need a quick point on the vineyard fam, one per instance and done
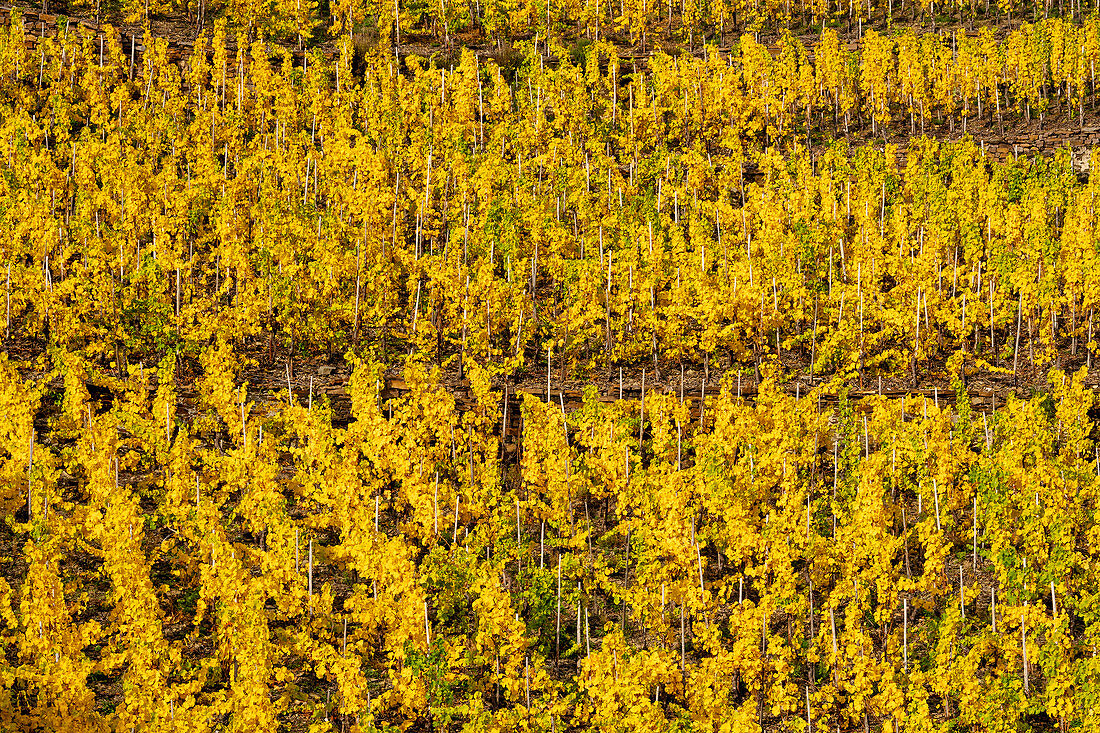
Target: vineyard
(549, 367)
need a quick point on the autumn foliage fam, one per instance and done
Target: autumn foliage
(187, 550)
